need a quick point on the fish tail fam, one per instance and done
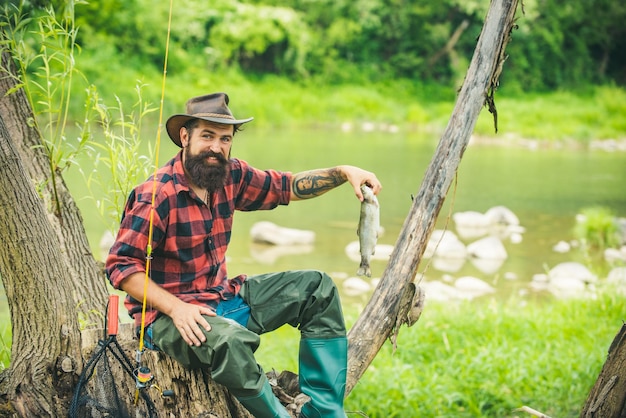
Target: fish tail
(364, 270)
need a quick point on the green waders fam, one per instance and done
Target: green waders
(306, 299)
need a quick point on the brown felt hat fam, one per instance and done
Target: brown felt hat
(211, 107)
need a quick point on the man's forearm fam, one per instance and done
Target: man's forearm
(156, 297)
(313, 183)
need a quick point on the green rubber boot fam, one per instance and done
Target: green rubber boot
(323, 366)
(265, 404)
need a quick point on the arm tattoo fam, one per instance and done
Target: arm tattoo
(313, 183)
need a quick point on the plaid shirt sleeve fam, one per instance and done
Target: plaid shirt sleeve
(128, 254)
(259, 189)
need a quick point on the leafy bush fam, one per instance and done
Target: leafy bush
(597, 228)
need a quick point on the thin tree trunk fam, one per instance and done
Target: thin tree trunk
(382, 315)
(449, 46)
(607, 399)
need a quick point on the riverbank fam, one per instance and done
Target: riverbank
(587, 114)
(515, 141)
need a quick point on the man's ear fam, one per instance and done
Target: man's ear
(184, 137)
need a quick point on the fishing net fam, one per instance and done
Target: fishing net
(96, 394)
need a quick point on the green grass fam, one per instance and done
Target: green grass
(597, 113)
(5, 341)
(482, 359)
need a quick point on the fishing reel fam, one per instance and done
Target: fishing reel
(144, 379)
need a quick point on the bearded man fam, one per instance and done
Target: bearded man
(197, 314)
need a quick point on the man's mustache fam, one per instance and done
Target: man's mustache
(210, 154)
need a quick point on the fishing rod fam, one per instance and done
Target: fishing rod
(143, 375)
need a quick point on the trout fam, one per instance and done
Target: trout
(369, 223)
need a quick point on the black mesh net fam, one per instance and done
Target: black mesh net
(98, 394)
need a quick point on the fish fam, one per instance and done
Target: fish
(369, 224)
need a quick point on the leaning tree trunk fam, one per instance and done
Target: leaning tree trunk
(607, 399)
(396, 300)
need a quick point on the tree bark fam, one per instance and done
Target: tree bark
(382, 315)
(46, 337)
(88, 281)
(195, 393)
(607, 399)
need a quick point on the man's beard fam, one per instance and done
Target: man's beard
(207, 176)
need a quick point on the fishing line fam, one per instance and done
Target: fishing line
(445, 228)
(154, 183)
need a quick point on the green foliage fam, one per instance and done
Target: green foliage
(597, 228)
(5, 343)
(117, 160)
(555, 45)
(44, 47)
(597, 113)
(261, 39)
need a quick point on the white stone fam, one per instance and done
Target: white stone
(487, 265)
(516, 238)
(355, 286)
(270, 233)
(448, 265)
(269, 254)
(439, 291)
(473, 286)
(540, 278)
(573, 271)
(613, 254)
(566, 287)
(471, 224)
(501, 215)
(561, 247)
(442, 239)
(617, 275)
(490, 248)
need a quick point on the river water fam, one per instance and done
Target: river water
(544, 185)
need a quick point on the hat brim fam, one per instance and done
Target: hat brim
(175, 122)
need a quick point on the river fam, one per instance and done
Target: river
(544, 185)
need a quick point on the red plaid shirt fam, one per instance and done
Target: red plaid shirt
(189, 238)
